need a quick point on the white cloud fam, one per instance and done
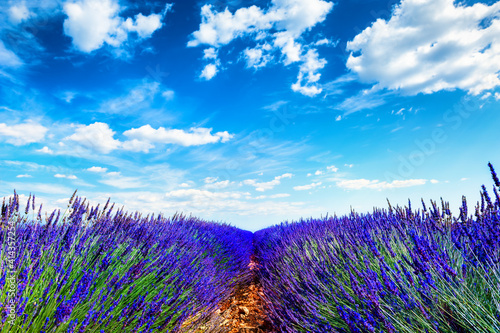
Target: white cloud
(23, 134)
(45, 150)
(201, 195)
(497, 96)
(24, 176)
(116, 179)
(307, 187)
(264, 186)
(278, 28)
(185, 185)
(68, 96)
(274, 196)
(58, 175)
(365, 99)
(168, 95)
(97, 169)
(332, 168)
(137, 145)
(464, 179)
(338, 118)
(220, 28)
(93, 23)
(97, 137)
(318, 172)
(193, 137)
(434, 181)
(208, 72)
(258, 56)
(325, 42)
(309, 73)
(349, 165)
(139, 96)
(210, 180)
(19, 13)
(358, 184)
(285, 175)
(431, 45)
(144, 26)
(210, 53)
(218, 185)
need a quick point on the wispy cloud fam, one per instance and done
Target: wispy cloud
(264, 186)
(24, 176)
(358, 184)
(116, 179)
(138, 97)
(58, 175)
(307, 187)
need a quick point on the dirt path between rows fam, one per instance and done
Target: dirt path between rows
(244, 311)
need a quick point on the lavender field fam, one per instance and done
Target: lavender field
(400, 269)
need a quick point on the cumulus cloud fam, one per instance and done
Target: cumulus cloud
(358, 184)
(193, 137)
(277, 29)
(307, 187)
(258, 56)
(209, 71)
(210, 53)
(264, 186)
(332, 168)
(97, 169)
(22, 134)
(19, 12)
(45, 150)
(431, 45)
(97, 136)
(93, 23)
(309, 73)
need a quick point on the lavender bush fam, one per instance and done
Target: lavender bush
(95, 270)
(395, 270)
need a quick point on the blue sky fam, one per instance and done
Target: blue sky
(249, 113)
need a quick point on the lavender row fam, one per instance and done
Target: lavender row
(394, 270)
(96, 270)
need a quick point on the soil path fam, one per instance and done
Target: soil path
(244, 311)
